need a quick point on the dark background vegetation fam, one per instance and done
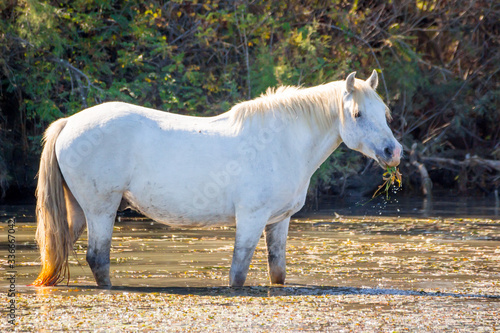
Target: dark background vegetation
(438, 65)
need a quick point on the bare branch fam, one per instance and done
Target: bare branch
(190, 31)
(243, 37)
(76, 71)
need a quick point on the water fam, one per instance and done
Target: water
(397, 205)
(439, 206)
(369, 242)
(385, 264)
(368, 251)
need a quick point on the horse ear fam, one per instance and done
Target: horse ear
(373, 80)
(349, 82)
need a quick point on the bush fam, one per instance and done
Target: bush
(438, 63)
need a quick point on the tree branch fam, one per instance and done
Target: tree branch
(352, 34)
(75, 70)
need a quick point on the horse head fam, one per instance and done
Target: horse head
(364, 125)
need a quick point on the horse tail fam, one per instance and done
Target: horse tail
(52, 233)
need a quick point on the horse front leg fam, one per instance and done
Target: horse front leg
(276, 235)
(249, 228)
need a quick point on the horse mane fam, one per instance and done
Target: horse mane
(318, 105)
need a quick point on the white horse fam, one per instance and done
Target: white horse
(250, 166)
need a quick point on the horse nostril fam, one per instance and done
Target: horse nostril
(388, 152)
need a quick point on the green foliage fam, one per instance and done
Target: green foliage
(201, 57)
(334, 172)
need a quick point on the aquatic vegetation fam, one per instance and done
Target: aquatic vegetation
(392, 177)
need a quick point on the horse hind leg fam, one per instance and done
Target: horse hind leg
(75, 215)
(101, 216)
(276, 235)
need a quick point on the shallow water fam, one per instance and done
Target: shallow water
(325, 248)
(415, 260)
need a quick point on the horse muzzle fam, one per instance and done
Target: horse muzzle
(390, 156)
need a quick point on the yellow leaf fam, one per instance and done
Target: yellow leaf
(298, 38)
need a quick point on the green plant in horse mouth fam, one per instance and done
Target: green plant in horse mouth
(392, 176)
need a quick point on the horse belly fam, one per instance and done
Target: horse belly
(191, 183)
(289, 209)
(181, 210)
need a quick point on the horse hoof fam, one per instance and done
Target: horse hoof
(104, 286)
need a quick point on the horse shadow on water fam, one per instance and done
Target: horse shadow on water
(280, 291)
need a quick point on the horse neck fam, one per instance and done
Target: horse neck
(319, 136)
(315, 144)
(303, 125)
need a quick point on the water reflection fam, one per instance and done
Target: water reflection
(497, 203)
(396, 205)
(438, 206)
